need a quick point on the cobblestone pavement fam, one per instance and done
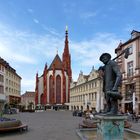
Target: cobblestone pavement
(49, 125)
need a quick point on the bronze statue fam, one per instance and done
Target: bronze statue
(111, 81)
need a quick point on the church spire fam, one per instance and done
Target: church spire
(66, 59)
(66, 49)
(66, 28)
(66, 55)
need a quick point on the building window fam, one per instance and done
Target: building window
(6, 73)
(95, 84)
(51, 93)
(130, 68)
(1, 89)
(130, 49)
(95, 95)
(58, 90)
(6, 89)
(2, 68)
(1, 78)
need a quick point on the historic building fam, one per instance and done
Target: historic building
(2, 83)
(10, 84)
(53, 86)
(28, 100)
(130, 68)
(86, 92)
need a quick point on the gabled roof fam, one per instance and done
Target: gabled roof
(134, 32)
(29, 94)
(57, 63)
(129, 41)
(8, 67)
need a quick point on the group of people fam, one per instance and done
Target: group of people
(133, 116)
(90, 114)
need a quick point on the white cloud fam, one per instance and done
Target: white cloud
(12, 55)
(87, 15)
(30, 10)
(89, 51)
(51, 30)
(86, 53)
(29, 52)
(14, 45)
(36, 20)
(28, 85)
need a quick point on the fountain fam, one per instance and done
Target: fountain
(110, 124)
(107, 128)
(91, 134)
(110, 127)
(8, 124)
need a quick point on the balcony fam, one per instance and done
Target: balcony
(88, 103)
(129, 76)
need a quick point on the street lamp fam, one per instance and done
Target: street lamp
(134, 101)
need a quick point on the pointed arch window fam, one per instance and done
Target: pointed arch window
(41, 99)
(51, 93)
(58, 89)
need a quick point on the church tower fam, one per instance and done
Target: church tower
(66, 60)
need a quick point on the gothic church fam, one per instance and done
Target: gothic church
(53, 86)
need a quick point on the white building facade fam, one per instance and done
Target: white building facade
(87, 93)
(10, 84)
(130, 69)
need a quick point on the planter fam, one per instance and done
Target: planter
(10, 123)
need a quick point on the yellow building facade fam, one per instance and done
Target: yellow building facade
(86, 92)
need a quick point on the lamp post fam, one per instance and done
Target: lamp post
(85, 102)
(134, 102)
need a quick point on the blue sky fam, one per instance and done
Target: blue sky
(32, 30)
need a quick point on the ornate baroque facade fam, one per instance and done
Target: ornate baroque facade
(53, 86)
(131, 73)
(87, 93)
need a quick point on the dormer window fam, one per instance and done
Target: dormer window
(134, 34)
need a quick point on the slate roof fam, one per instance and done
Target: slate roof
(29, 94)
(56, 62)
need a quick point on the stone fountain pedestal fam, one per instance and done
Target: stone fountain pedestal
(110, 127)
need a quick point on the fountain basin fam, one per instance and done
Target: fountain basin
(10, 123)
(90, 134)
(7, 124)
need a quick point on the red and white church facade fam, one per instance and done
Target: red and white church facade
(53, 86)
